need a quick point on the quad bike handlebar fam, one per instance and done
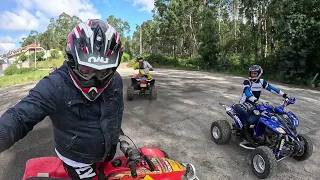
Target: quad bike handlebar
(288, 100)
(134, 157)
(285, 102)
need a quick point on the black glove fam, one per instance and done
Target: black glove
(112, 152)
(257, 102)
(286, 96)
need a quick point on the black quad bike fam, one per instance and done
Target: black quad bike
(142, 86)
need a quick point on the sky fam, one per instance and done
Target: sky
(19, 17)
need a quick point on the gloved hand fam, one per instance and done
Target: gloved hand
(112, 152)
(286, 96)
(257, 103)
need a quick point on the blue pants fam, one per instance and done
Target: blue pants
(253, 119)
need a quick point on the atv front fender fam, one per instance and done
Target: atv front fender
(152, 152)
(271, 123)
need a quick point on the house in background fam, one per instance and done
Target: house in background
(3, 64)
(29, 49)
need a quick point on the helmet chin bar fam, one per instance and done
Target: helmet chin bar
(92, 94)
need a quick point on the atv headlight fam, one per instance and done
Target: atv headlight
(281, 130)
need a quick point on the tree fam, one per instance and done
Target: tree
(122, 27)
(281, 36)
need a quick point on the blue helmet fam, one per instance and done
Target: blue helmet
(255, 68)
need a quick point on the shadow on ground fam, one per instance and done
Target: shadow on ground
(179, 123)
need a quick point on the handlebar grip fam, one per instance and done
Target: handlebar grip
(124, 147)
(150, 163)
(132, 167)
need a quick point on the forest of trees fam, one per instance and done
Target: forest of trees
(283, 36)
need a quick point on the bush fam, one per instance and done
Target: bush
(12, 69)
(22, 57)
(39, 56)
(125, 57)
(54, 53)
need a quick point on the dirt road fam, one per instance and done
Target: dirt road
(179, 122)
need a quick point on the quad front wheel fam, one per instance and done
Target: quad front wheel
(263, 162)
(221, 131)
(306, 150)
(130, 93)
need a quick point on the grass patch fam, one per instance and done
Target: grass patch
(15, 79)
(48, 63)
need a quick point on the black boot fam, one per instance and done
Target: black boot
(247, 134)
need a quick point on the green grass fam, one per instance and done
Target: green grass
(46, 64)
(15, 79)
(10, 80)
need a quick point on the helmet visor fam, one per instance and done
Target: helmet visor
(88, 73)
(254, 68)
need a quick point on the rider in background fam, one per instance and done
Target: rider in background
(143, 67)
(83, 99)
(251, 94)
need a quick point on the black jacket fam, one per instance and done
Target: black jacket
(83, 130)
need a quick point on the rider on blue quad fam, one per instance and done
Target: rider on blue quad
(250, 97)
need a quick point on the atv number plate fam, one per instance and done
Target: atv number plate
(143, 85)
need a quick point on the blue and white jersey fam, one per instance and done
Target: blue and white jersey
(252, 90)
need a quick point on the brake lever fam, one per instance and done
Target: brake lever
(132, 166)
(149, 162)
(133, 158)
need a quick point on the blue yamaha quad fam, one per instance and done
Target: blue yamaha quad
(275, 136)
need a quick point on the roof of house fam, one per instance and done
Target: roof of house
(23, 49)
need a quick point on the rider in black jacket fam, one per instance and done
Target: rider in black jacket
(83, 99)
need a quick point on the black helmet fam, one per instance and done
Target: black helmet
(139, 58)
(93, 54)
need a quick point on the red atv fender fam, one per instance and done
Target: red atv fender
(53, 167)
(152, 152)
(45, 167)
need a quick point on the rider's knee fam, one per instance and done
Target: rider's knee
(253, 119)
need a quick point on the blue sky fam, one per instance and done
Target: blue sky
(18, 17)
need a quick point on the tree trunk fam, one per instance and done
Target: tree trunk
(235, 19)
(272, 45)
(195, 43)
(254, 32)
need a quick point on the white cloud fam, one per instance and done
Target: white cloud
(18, 21)
(84, 9)
(6, 44)
(21, 19)
(6, 39)
(42, 19)
(35, 15)
(146, 5)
